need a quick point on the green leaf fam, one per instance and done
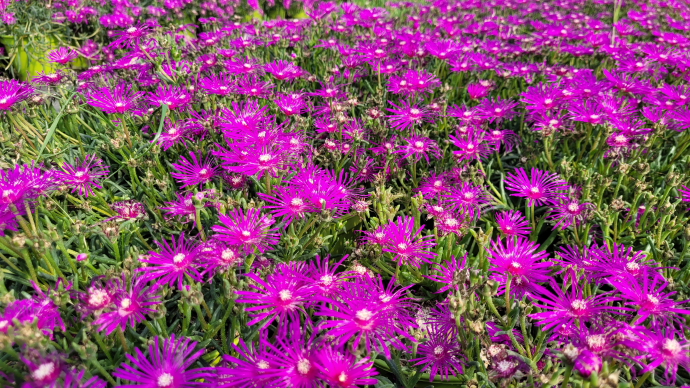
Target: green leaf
(53, 126)
(384, 382)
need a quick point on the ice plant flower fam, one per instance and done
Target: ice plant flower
(407, 244)
(13, 92)
(512, 223)
(132, 300)
(343, 370)
(119, 99)
(83, 175)
(406, 115)
(540, 188)
(440, 355)
(568, 308)
(196, 171)
(168, 365)
(664, 349)
(517, 261)
(172, 263)
(250, 230)
(280, 297)
(62, 55)
(172, 96)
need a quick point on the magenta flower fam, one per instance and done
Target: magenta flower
(291, 104)
(13, 92)
(406, 115)
(407, 245)
(512, 223)
(131, 37)
(413, 82)
(542, 98)
(419, 147)
(447, 274)
(284, 70)
(129, 210)
(366, 315)
(616, 262)
(196, 172)
(295, 359)
(588, 112)
(343, 370)
(280, 297)
(167, 366)
(469, 198)
(289, 203)
(568, 308)
(663, 349)
(263, 160)
(132, 300)
(540, 189)
(172, 263)
(518, 260)
(250, 229)
(83, 176)
(478, 91)
(434, 186)
(569, 211)
(222, 84)
(473, 145)
(684, 194)
(651, 299)
(121, 99)
(439, 354)
(253, 86)
(62, 55)
(251, 367)
(172, 96)
(49, 79)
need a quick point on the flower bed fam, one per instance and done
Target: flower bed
(456, 193)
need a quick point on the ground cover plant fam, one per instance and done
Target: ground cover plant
(319, 194)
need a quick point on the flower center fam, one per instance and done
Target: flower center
(573, 207)
(43, 371)
(438, 350)
(178, 258)
(419, 144)
(285, 295)
(303, 366)
(262, 364)
(97, 297)
(364, 315)
(578, 304)
(327, 280)
(596, 341)
(228, 254)
(342, 377)
(264, 158)
(165, 380)
(672, 346)
(632, 266)
(246, 233)
(402, 246)
(125, 303)
(297, 202)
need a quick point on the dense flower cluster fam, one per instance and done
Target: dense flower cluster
(228, 194)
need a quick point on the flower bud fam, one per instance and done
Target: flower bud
(587, 363)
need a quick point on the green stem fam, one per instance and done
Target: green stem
(103, 372)
(566, 376)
